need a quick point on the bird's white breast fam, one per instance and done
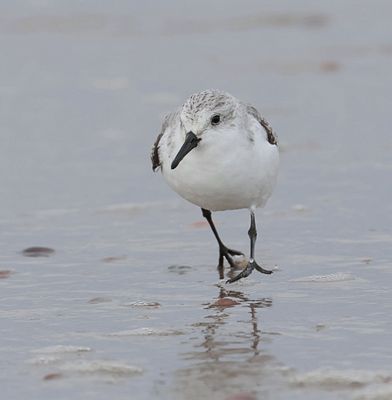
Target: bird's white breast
(226, 171)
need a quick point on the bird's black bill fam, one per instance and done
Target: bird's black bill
(191, 141)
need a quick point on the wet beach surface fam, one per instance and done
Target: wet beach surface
(108, 280)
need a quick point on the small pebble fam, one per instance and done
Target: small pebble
(329, 66)
(114, 259)
(5, 274)
(52, 376)
(179, 269)
(37, 251)
(320, 327)
(98, 300)
(199, 224)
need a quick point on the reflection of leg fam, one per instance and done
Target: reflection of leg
(252, 263)
(224, 252)
(255, 330)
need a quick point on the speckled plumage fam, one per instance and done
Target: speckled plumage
(167, 122)
(211, 100)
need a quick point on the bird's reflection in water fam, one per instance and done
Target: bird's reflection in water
(229, 356)
(247, 340)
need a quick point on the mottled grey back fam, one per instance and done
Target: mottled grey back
(168, 120)
(271, 135)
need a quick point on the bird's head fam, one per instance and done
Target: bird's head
(203, 114)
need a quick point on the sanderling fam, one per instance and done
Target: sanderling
(219, 154)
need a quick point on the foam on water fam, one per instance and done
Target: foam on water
(372, 393)
(145, 332)
(148, 304)
(106, 367)
(336, 378)
(44, 360)
(330, 278)
(62, 349)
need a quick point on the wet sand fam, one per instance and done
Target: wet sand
(108, 280)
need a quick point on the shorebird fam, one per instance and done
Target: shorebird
(220, 154)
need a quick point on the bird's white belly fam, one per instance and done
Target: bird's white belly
(220, 179)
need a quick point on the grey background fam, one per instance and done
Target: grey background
(83, 90)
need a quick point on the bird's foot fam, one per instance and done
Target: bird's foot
(248, 270)
(224, 252)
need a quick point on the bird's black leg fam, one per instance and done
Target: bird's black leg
(252, 263)
(224, 252)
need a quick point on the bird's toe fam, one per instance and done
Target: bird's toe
(261, 269)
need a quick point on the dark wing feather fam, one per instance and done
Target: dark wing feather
(155, 160)
(271, 135)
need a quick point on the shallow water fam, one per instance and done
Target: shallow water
(129, 304)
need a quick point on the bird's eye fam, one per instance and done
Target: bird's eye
(216, 119)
